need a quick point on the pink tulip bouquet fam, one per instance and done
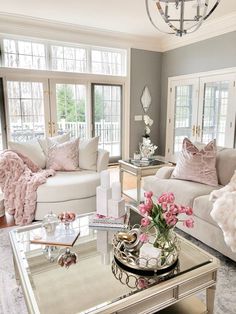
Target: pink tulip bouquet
(163, 215)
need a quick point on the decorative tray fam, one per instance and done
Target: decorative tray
(132, 260)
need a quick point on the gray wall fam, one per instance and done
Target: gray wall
(145, 70)
(211, 54)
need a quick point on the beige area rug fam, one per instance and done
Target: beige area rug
(12, 300)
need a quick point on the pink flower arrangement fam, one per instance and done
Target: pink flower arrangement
(164, 214)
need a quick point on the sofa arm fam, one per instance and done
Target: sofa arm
(102, 160)
(164, 172)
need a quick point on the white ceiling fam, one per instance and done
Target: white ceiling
(126, 16)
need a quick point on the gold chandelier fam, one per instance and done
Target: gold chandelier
(181, 16)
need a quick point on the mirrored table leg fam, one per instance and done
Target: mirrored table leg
(210, 298)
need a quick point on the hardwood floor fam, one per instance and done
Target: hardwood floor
(129, 183)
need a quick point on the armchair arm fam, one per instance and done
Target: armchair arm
(102, 160)
(164, 172)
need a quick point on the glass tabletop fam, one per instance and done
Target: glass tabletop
(145, 163)
(86, 286)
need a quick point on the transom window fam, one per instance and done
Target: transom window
(107, 62)
(69, 59)
(27, 54)
(24, 54)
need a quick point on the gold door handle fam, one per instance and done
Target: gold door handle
(198, 130)
(53, 128)
(194, 130)
(50, 128)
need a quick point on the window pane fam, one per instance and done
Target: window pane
(24, 54)
(26, 110)
(108, 62)
(215, 106)
(69, 59)
(183, 115)
(71, 109)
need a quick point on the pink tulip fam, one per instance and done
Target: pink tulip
(149, 204)
(143, 237)
(171, 197)
(188, 223)
(172, 220)
(145, 222)
(164, 206)
(143, 209)
(188, 211)
(148, 194)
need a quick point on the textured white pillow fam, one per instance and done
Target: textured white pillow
(30, 149)
(59, 139)
(88, 153)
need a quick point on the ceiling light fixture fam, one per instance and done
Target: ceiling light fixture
(182, 16)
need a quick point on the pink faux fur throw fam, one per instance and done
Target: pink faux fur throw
(19, 180)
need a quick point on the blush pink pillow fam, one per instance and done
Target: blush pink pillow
(197, 165)
(63, 157)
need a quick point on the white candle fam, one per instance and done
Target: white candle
(105, 179)
(116, 191)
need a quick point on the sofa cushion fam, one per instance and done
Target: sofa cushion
(202, 208)
(197, 165)
(30, 149)
(88, 153)
(66, 186)
(57, 139)
(64, 157)
(225, 165)
(185, 191)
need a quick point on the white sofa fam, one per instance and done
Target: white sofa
(196, 195)
(67, 190)
(71, 191)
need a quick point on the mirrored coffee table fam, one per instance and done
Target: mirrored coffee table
(97, 284)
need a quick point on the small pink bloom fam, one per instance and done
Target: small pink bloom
(143, 237)
(148, 194)
(171, 220)
(164, 206)
(145, 222)
(188, 211)
(149, 204)
(143, 209)
(181, 209)
(142, 283)
(188, 223)
(171, 197)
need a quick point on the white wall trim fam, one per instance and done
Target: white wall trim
(202, 74)
(55, 30)
(212, 28)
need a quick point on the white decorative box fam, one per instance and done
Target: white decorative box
(116, 209)
(103, 195)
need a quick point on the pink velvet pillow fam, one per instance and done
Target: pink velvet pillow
(64, 157)
(197, 165)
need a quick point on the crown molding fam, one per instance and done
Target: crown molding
(54, 30)
(209, 29)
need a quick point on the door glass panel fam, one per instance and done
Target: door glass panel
(215, 107)
(182, 115)
(107, 118)
(26, 110)
(71, 109)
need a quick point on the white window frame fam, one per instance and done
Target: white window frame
(198, 79)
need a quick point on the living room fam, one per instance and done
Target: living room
(101, 83)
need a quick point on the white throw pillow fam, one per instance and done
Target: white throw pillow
(88, 153)
(30, 149)
(59, 139)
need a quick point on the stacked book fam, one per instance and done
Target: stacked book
(97, 220)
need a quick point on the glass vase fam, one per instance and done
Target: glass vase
(167, 243)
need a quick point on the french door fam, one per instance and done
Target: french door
(182, 115)
(69, 108)
(106, 117)
(27, 110)
(216, 119)
(201, 109)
